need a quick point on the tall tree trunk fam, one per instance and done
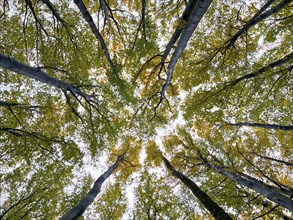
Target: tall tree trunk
(143, 20)
(254, 184)
(79, 209)
(185, 16)
(39, 75)
(267, 126)
(196, 15)
(208, 203)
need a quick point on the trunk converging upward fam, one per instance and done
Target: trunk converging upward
(200, 8)
(254, 184)
(208, 203)
(79, 209)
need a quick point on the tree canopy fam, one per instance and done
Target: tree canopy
(146, 109)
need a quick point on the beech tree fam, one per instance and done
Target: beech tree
(254, 184)
(77, 210)
(207, 84)
(215, 210)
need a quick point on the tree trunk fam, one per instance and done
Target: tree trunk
(208, 203)
(143, 20)
(185, 16)
(255, 185)
(267, 126)
(270, 66)
(39, 75)
(197, 13)
(79, 209)
(258, 17)
(86, 15)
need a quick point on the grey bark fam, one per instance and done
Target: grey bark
(105, 9)
(86, 15)
(255, 185)
(185, 16)
(258, 17)
(143, 20)
(197, 13)
(270, 66)
(208, 203)
(39, 75)
(267, 126)
(20, 106)
(79, 209)
(286, 191)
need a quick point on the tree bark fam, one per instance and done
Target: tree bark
(143, 20)
(105, 9)
(20, 106)
(270, 66)
(197, 13)
(80, 208)
(208, 203)
(185, 16)
(267, 126)
(254, 184)
(258, 17)
(86, 15)
(39, 75)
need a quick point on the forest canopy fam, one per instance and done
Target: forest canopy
(146, 109)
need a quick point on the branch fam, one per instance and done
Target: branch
(270, 158)
(269, 211)
(20, 106)
(29, 3)
(86, 15)
(270, 66)
(105, 9)
(258, 72)
(5, 2)
(17, 203)
(54, 11)
(258, 17)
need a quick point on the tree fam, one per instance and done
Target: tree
(156, 200)
(84, 81)
(77, 210)
(215, 210)
(268, 191)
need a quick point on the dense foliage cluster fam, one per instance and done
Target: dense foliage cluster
(146, 109)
